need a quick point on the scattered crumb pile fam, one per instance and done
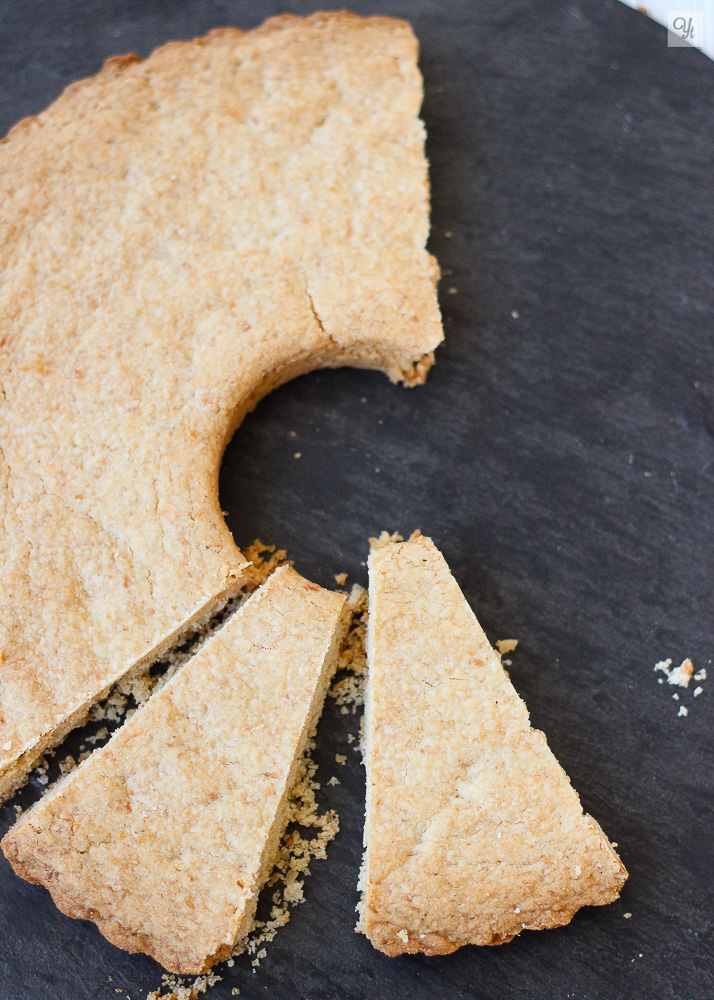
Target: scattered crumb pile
(179, 990)
(385, 539)
(505, 646)
(348, 687)
(680, 677)
(263, 565)
(65, 765)
(295, 854)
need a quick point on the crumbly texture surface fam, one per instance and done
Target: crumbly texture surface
(473, 832)
(348, 686)
(178, 990)
(177, 237)
(164, 836)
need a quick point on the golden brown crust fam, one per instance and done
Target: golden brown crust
(473, 832)
(164, 836)
(178, 236)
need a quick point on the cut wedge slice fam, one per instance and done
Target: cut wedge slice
(165, 836)
(473, 832)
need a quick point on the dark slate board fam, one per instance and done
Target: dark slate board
(563, 460)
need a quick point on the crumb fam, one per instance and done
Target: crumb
(67, 764)
(506, 645)
(298, 454)
(514, 313)
(293, 890)
(448, 234)
(111, 708)
(341, 579)
(403, 936)
(101, 734)
(293, 434)
(452, 290)
(627, 916)
(263, 565)
(680, 677)
(340, 758)
(259, 958)
(682, 674)
(333, 781)
(385, 538)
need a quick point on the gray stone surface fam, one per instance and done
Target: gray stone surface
(562, 458)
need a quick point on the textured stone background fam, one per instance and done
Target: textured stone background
(563, 461)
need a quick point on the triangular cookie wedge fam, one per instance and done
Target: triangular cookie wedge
(473, 831)
(164, 836)
(178, 236)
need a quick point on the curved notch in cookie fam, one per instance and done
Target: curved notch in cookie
(179, 236)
